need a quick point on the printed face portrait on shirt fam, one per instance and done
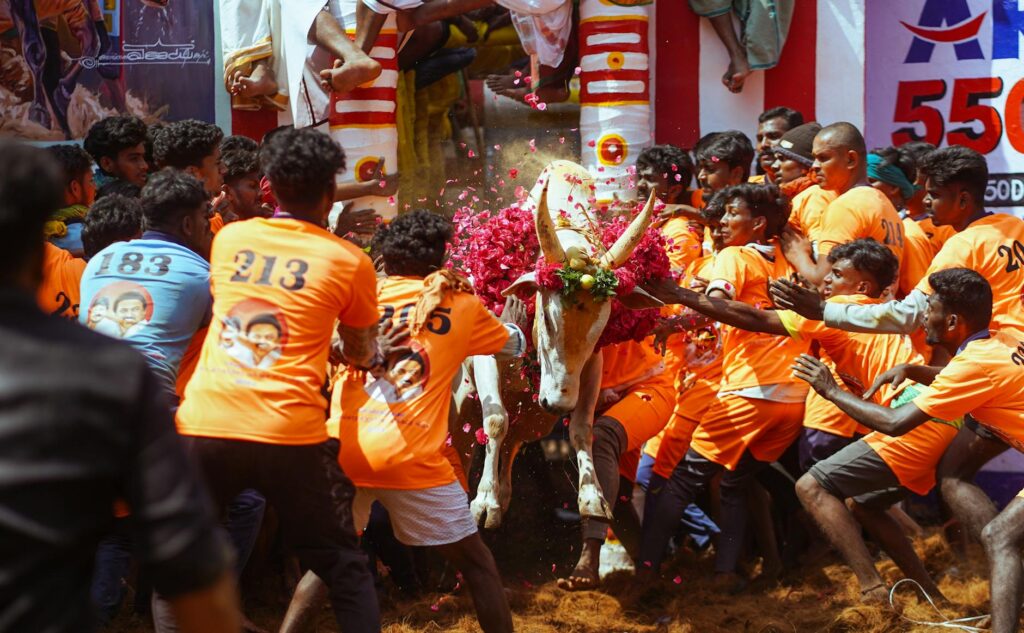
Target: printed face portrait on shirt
(121, 309)
(254, 333)
(403, 377)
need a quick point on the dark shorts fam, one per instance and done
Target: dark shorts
(857, 472)
(817, 446)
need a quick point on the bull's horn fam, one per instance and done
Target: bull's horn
(623, 247)
(546, 235)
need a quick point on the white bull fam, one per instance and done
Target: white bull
(565, 333)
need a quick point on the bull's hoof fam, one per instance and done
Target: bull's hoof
(486, 511)
(592, 503)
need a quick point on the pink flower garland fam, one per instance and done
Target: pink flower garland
(496, 250)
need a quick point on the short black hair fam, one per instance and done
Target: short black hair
(904, 161)
(965, 293)
(413, 244)
(731, 146)
(185, 143)
(300, 165)
(917, 149)
(264, 319)
(237, 141)
(30, 192)
(957, 164)
(131, 295)
(170, 195)
(119, 187)
(714, 208)
(74, 162)
(110, 136)
(765, 201)
(239, 163)
(114, 218)
(868, 256)
(670, 160)
(793, 117)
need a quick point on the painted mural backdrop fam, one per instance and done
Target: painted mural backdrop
(66, 63)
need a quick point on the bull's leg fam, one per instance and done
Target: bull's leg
(487, 377)
(509, 449)
(581, 434)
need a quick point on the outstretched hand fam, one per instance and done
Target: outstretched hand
(393, 340)
(665, 289)
(361, 222)
(515, 312)
(801, 298)
(892, 377)
(814, 372)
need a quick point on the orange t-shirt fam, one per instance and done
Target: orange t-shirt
(918, 252)
(752, 359)
(684, 244)
(985, 380)
(993, 246)
(216, 223)
(808, 207)
(914, 455)
(861, 212)
(691, 355)
(278, 287)
(60, 291)
(189, 360)
(936, 234)
(859, 357)
(393, 423)
(629, 363)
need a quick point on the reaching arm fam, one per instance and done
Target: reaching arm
(893, 317)
(359, 346)
(893, 422)
(721, 309)
(434, 10)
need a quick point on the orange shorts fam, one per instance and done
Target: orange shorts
(734, 424)
(690, 408)
(644, 411)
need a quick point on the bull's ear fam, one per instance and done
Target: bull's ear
(639, 299)
(527, 283)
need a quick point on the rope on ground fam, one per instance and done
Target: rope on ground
(960, 624)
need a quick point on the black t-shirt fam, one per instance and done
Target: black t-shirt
(83, 422)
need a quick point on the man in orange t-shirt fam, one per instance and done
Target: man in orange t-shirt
(59, 292)
(981, 381)
(392, 421)
(668, 171)
(254, 412)
(759, 406)
(859, 210)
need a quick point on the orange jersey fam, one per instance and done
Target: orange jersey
(393, 422)
(751, 359)
(985, 380)
(822, 415)
(629, 363)
(914, 455)
(216, 223)
(938, 235)
(189, 360)
(694, 353)
(918, 252)
(278, 287)
(60, 291)
(684, 243)
(993, 246)
(861, 212)
(808, 207)
(859, 357)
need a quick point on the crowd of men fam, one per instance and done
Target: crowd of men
(851, 317)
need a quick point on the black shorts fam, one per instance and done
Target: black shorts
(857, 472)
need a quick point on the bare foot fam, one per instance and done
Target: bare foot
(585, 577)
(260, 82)
(739, 70)
(348, 75)
(555, 91)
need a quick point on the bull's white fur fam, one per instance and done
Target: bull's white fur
(487, 504)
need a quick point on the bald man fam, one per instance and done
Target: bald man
(859, 211)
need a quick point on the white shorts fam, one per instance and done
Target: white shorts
(422, 517)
